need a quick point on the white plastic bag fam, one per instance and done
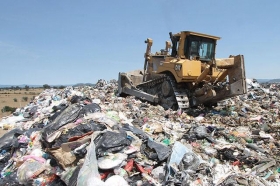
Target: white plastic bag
(89, 174)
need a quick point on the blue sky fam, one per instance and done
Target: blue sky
(66, 42)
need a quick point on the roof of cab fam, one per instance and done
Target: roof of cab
(199, 34)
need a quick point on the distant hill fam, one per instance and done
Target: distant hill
(263, 80)
(274, 81)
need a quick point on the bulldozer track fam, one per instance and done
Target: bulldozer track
(179, 98)
(180, 94)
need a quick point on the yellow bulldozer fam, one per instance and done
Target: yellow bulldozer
(185, 74)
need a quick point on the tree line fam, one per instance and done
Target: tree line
(45, 86)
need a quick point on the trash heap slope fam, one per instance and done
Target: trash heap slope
(89, 136)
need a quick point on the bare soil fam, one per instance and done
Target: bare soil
(15, 98)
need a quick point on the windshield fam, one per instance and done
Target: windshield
(206, 50)
(203, 48)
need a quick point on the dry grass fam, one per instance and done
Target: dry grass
(7, 98)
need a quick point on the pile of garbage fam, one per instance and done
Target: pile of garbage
(89, 136)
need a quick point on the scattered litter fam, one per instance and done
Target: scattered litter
(89, 136)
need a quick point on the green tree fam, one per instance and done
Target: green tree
(61, 87)
(24, 98)
(15, 99)
(46, 86)
(8, 109)
(26, 87)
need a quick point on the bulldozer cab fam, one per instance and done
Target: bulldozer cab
(193, 46)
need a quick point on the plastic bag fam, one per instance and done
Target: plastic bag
(91, 108)
(89, 175)
(71, 146)
(30, 131)
(189, 162)
(135, 131)
(79, 130)
(67, 174)
(74, 177)
(158, 173)
(57, 111)
(108, 121)
(111, 142)
(27, 171)
(178, 152)
(76, 99)
(111, 161)
(33, 110)
(155, 151)
(9, 139)
(200, 132)
(60, 107)
(95, 116)
(67, 116)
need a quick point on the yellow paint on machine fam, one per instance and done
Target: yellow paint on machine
(191, 69)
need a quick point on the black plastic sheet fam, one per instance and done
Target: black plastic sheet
(111, 142)
(68, 115)
(79, 131)
(57, 111)
(8, 139)
(75, 99)
(29, 131)
(138, 132)
(155, 151)
(90, 108)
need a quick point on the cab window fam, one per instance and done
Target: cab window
(201, 47)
